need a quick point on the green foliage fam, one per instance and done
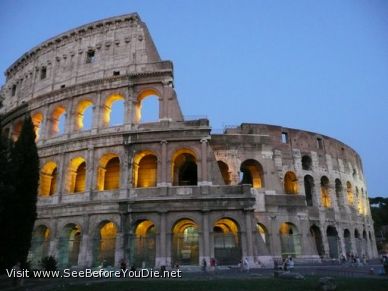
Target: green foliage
(49, 263)
(379, 210)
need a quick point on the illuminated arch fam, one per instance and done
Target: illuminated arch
(325, 193)
(58, 120)
(145, 166)
(69, 245)
(252, 173)
(83, 108)
(184, 168)
(144, 244)
(185, 243)
(48, 179)
(291, 185)
(109, 102)
(227, 245)
(37, 121)
(108, 173)
(349, 190)
(224, 172)
(289, 239)
(105, 244)
(17, 129)
(76, 175)
(263, 232)
(147, 94)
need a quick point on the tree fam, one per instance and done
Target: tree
(6, 191)
(20, 206)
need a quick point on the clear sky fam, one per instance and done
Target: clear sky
(315, 65)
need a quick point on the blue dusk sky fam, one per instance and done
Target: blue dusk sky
(320, 66)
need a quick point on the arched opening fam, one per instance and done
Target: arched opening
(227, 246)
(84, 115)
(358, 201)
(147, 107)
(364, 243)
(184, 168)
(317, 236)
(58, 121)
(145, 168)
(263, 232)
(349, 190)
(289, 240)
(291, 185)
(309, 189)
(37, 121)
(332, 238)
(108, 172)
(17, 129)
(252, 173)
(325, 193)
(48, 179)
(69, 246)
(39, 243)
(185, 243)
(358, 242)
(76, 177)
(224, 172)
(143, 244)
(105, 246)
(338, 192)
(348, 242)
(306, 163)
(113, 113)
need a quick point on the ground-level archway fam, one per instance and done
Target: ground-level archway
(143, 244)
(40, 243)
(185, 243)
(332, 238)
(105, 244)
(317, 236)
(227, 242)
(69, 246)
(348, 242)
(289, 240)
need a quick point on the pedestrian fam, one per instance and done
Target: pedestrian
(204, 265)
(385, 264)
(246, 265)
(285, 264)
(291, 264)
(213, 264)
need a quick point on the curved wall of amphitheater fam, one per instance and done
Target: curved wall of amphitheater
(170, 192)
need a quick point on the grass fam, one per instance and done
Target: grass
(310, 283)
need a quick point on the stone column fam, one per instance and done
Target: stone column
(69, 118)
(204, 165)
(205, 239)
(163, 171)
(61, 183)
(97, 115)
(91, 173)
(248, 226)
(161, 257)
(86, 245)
(274, 237)
(124, 177)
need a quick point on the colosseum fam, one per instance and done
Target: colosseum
(170, 191)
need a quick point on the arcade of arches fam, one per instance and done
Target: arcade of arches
(143, 244)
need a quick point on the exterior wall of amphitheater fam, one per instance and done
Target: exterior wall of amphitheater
(170, 192)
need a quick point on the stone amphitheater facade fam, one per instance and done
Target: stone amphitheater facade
(170, 192)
